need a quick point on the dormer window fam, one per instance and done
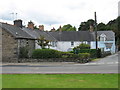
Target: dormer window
(103, 37)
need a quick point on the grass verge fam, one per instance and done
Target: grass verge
(60, 81)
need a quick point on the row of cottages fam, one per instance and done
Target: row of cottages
(16, 36)
(67, 40)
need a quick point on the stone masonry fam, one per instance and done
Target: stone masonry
(9, 46)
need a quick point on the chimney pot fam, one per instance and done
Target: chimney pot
(30, 25)
(41, 27)
(18, 23)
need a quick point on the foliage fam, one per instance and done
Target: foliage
(82, 46)
(43, 42)
(46, 53)
(93, 53)
(86, 25)
(81, 57)
(101, 27)
(23, 52)
(68, 27)
(104, 54)
(113, 25)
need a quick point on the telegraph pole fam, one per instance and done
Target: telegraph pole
(96, 31)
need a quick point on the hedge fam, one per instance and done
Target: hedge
(46, 53)
(49, 53)
(93, 52)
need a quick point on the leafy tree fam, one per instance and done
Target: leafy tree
(35, 27)
(67, 27)
(101, 26)
(84, 26)
(43, 42)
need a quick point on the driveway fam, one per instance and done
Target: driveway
(105, 65)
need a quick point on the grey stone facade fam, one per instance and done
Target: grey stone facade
(11, 45)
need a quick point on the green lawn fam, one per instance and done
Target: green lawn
(60, 81)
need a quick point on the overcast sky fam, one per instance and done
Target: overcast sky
(53, 13)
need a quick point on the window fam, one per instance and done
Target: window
(102, 37)
(53, 44)
(72, 43)
(27, 42)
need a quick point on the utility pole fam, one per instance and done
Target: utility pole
(96, 31)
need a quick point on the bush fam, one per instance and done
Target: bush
(23, 52)
(67, 55)
(83, 57)
(92, 52)
(104, 54)
(46, 53)
(82, 46)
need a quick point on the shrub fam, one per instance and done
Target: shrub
(104, 54)
(83, 57)
(23, 52)
(92, 52)
(46, 53)
(67, 55)
(82, 46)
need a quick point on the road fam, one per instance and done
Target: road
(105, 65)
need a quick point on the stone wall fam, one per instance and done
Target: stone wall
(29, 44)
(9, 46)
(48, 60)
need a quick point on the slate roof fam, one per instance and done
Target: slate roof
(55, 36)
(15, 31)
(110, 35)
(37, 33)
(81, 35)
(73, 36)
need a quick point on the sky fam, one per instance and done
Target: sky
(53, 13)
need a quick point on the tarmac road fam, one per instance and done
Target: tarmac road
(105, 65)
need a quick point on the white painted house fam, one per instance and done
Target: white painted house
(67, 40)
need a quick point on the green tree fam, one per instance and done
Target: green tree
(101, 26)
(84, 26)
(43, 42)
(67, 27)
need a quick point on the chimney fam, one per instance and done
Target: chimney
(91, 28)
(60, 29)
(18, 23)
(30, 25)
(53, 30)
(41, 27)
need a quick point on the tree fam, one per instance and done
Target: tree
(43, 42)
(67, 27)
(101, 26)
(84, 26)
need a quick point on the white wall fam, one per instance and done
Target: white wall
(62, 45)
(66, 45)
(102, 45)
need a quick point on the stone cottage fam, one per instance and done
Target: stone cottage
(13, 38)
